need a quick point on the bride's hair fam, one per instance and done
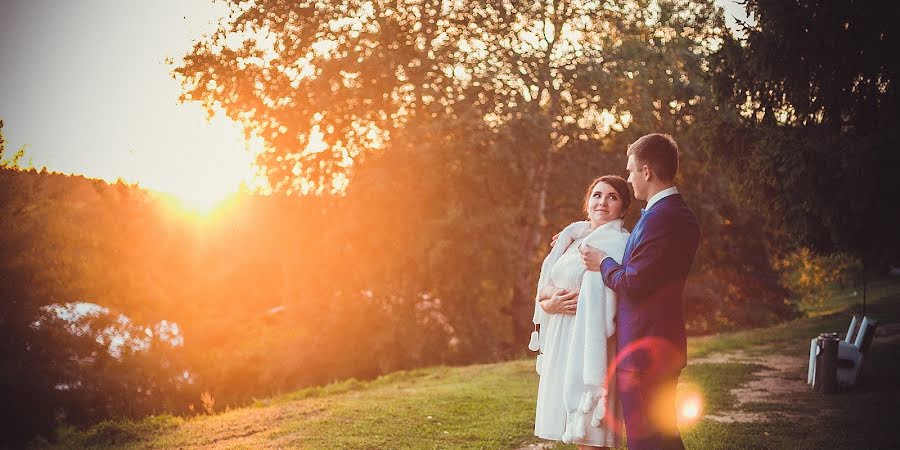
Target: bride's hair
(618, 183)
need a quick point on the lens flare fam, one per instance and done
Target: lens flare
(690, 410)
(689, 405)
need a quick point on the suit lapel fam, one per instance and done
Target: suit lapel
(632, 239)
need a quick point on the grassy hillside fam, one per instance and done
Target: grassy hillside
(491, 406)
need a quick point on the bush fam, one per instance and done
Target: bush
(810, 276)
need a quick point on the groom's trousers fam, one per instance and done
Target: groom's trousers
(648, 404)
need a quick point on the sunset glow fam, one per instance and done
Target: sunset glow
(218, 166)
(118, 117)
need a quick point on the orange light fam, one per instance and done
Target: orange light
(689, 404)
(197, 214)
(690, 409)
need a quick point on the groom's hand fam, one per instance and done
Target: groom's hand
(591, 256)
(554, 239)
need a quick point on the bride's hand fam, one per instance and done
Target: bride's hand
(562, 302)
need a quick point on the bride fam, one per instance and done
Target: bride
(575, 313)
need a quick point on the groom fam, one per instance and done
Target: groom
(649, 283)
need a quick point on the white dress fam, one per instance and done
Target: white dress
(556, 345)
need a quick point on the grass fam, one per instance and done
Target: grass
(479, 406)
(492, 405)
(861, 418)
(111, 433)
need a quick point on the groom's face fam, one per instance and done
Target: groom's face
(636, 178)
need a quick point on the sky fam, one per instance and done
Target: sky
(84, 85)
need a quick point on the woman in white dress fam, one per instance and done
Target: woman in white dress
(575, 313)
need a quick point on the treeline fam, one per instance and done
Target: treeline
(413, 267)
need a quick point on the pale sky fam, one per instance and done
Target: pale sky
(84, 84)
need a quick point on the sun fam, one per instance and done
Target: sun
(205, 181)
(203, 165)
(204, 197)
(201, 201)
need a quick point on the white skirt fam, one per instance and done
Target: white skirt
(550, 415)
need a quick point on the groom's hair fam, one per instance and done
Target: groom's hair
(660, 152)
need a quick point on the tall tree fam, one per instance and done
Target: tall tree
(380, 75)
(815, 88)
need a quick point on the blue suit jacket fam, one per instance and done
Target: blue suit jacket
(649, 285)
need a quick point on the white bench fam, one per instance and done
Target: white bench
(850, 352)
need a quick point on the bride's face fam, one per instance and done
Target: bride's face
(604, 205)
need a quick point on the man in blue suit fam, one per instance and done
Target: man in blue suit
(652, 347)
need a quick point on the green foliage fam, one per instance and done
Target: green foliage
(380, 75)
(59, 364)
(477, 124)
(817, 135)
(811, 277)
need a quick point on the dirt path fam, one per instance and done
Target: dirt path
(782, 382)
(783, 378)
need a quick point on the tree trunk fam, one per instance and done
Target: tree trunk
(526, 283)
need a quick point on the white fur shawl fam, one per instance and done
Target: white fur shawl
(586, 366)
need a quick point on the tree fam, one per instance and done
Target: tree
(372, 77)
(814, 84)
(15, 160)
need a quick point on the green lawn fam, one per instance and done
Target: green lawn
(492, 405)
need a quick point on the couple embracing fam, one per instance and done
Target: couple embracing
(608, 314)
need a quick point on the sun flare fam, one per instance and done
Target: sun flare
(206, 168)
(689, 405)
(203, 199)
